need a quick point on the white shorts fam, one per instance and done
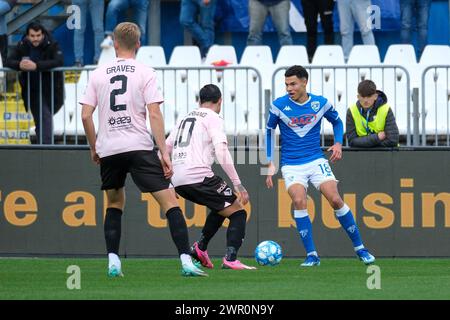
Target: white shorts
(317, 171)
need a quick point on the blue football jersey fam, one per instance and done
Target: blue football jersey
(300, 128)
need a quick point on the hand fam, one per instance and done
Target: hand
(166, 164)
(94, 156)
(336, 152)
(27, 65)
(270, 172)
(242, 193)
(381, 135)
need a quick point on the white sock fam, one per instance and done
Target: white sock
(185, 258)
(114, 260)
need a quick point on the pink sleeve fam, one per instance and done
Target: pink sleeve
(226, 162)
(90, 95)
(152, 94)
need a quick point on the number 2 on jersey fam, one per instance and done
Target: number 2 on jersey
(112, 96)
(180, 133)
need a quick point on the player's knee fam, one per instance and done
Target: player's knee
(336, 202)
(239, 215)
(300, 203)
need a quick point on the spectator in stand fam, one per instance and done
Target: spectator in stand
(117, 7)
(421, 10)
(96, 9)
(5, 7)
(370, 121)
(201, 29)
(349, 12)
(258, 12)
(35, 55)
(311, 9)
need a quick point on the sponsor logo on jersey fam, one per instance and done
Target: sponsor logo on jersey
(119, 121)
(302, 121)
(287, 108)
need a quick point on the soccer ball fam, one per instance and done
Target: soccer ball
(268, 253)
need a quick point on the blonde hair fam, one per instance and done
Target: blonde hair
(127, 35)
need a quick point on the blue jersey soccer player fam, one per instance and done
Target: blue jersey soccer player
(299, 115)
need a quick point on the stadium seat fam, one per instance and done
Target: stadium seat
(362, 55)
(152, 56)
(395, 82)
(331, 83)
(181, 86)
(287, 56)
(217, 53)
(107, 55)
(435, 93)
(249, 93)
(225, 80)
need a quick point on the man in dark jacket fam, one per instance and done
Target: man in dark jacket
(35, 55)
(370, 121)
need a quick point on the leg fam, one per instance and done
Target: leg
(280, 18)
(346, 25)
(212, 224)
(188, 19)
(113, 229)
(235, 235)
(178, 230)
(406, 20)
(47, 121)
(97, 9)
(310, 11)
(177, 224)
(326, 17)
(346, 219)
(115, 7)
(207, 24)
(297, 192)
(359, 12)
(78, 34)
(423, 9)
(257, 14)
(140, 12)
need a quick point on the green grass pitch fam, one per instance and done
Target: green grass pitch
(160, 279)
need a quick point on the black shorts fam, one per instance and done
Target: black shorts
(144, 166)
(212, 192)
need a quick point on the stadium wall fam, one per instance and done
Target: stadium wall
(51, 204)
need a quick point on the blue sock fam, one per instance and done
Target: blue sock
(347, 221)
(304, 227)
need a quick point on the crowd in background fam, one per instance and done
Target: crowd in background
(197, 17)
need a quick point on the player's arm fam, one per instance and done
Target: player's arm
(157, 126)
(226, 162)
(219, 140)
(88, 123)
(88, 102)
(272, 123)
(338, 130)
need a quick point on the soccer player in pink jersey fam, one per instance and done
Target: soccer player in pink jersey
(124, 91)
(194, 142)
